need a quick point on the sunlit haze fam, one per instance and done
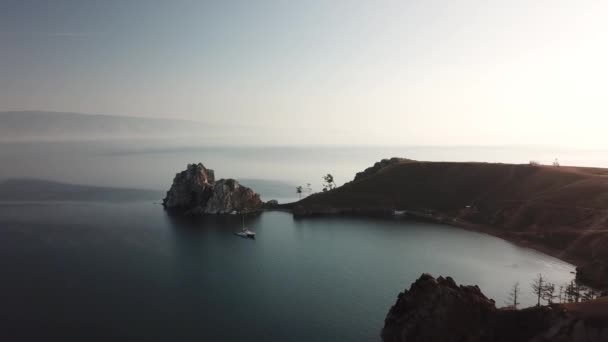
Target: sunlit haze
(346, 72)
(315, 170)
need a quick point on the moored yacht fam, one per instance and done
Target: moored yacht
(245, 232)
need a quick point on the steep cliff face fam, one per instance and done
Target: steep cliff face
(439, 310)
(229, 195)
(195, 191)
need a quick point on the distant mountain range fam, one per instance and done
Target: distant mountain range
(44, 190)
(19, 126)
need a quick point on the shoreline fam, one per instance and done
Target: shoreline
(515, 240)
(440, 218)
(490, 230)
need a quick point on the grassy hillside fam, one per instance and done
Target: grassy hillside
(562, 210)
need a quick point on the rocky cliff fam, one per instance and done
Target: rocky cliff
(439, 310)
(195, 191)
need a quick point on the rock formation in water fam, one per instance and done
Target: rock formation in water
(195, 191)
(439, 310)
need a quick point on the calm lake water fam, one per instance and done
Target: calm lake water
(104, 270)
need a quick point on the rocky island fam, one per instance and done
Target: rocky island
(562, 211)
(195, 191)
(439, 310)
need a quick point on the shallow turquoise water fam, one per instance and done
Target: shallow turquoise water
(130, 270)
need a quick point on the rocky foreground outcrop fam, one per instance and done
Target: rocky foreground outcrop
(195, 191)
(439, 310)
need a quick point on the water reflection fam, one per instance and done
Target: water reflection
(129, 266)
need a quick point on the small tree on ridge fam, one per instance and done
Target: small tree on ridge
(329, 182)
(513, 296)
(549, 292)
(538, 288)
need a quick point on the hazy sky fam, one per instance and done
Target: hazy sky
(379, 72)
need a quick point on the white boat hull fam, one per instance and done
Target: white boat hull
(246, 233)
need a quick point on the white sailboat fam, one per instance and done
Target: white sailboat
(245, 232)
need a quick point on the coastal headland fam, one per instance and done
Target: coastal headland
(559, 210)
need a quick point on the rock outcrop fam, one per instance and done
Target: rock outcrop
(439, 310)
(195, 191)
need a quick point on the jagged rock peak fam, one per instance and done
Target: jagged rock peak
(432, 307)
(202, 173)
(439, 310)
(195, 191)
